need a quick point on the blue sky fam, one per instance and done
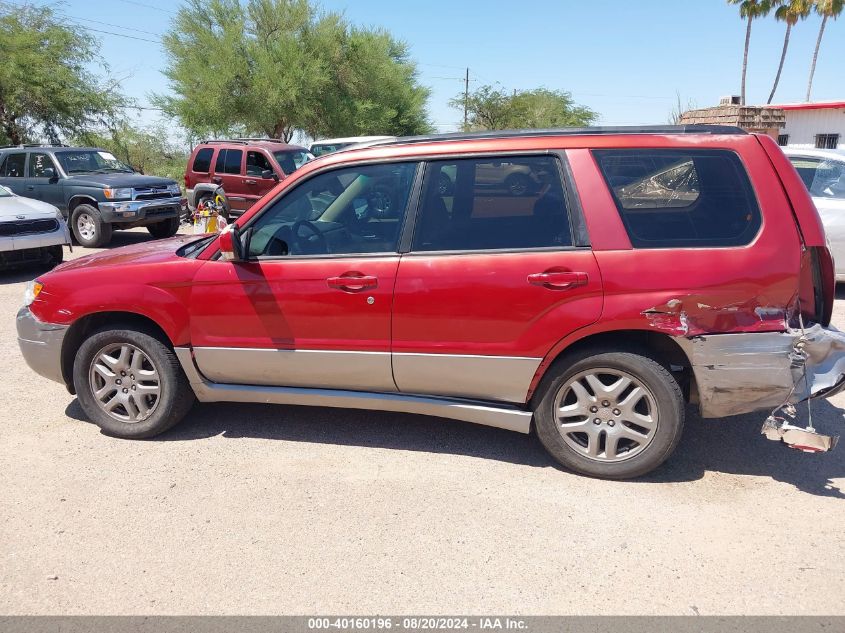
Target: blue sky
(626, 60)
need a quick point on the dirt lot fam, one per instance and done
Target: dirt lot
(271, 510)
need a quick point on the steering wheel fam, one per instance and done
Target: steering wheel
(302, 240)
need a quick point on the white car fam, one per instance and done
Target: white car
(31, 231)
(823, 171)
(329, 145)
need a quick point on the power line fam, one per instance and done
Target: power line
(148, 6)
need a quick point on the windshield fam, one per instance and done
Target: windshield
(4, 193)
(825, 178)
(291, 159)
(91, 162)
(327, 148)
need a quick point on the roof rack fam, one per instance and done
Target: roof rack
(25, 145)
(242, 140)
(565, 131)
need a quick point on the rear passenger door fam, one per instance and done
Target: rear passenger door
(228, 172)
(495, 275)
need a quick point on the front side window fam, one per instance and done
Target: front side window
(38, 164)
(13, 166)
(824, 178)
(345, 211)
(677, 198)
(489, 204)
(257, 164)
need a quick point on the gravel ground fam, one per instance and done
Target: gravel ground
(293, 510)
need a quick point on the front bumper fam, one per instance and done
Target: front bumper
(740, 373)
(41, 345)
(135, 210)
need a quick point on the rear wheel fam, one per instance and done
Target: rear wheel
(130, 383)
(613, 415)
(165, 228)
(88, 227)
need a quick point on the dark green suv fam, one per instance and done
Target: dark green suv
(95, 192)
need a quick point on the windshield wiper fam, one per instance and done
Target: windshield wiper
(105, 170)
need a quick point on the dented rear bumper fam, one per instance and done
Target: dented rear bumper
(744, 372)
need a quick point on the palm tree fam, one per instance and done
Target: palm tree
(748, 10)
(826, 9)
(789, 11)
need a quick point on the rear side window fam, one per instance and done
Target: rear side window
(13, 166)
(678, 198)
(492, 203)
(202, 161)
(228, 161)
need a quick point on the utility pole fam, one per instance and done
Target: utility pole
(466, 97)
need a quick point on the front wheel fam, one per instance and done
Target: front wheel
(165, 228)
(613, 415)
(88, 227)
(130, 383)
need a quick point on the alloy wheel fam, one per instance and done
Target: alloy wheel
(124, 382)
(85, 226)
(606, 414)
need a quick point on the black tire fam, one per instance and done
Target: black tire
(174, 399)
(88, 227)
(661, 391)
(165, 228)
(518, 184)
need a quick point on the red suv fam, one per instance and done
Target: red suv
(644, 268)
(245, 168)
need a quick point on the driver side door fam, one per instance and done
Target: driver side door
(312, 306)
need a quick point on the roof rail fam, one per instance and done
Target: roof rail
(25, 145)
(566, 131)
(242, 140)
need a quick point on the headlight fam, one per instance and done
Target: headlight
(118, 194)
(174, 189)
(33, 289)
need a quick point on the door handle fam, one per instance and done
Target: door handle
(249, 181)
(354, 282)
(30, 187)
(217, 180)
(558, 280)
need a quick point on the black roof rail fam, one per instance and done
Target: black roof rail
(25, 145)
(565, 131)
(242, 141)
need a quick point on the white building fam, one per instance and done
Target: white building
(808, 125)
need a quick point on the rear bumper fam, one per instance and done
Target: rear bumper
(740, 373)
(41, 345)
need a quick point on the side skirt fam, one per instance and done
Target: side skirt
(488, 414)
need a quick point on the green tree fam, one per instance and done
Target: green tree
(490, 108)
(827, 9)
(789, 11)
(45, 87)
(145, 149)
(748, 10)
(275, 66)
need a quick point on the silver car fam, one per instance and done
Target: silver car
(31, 231)
(823, 171)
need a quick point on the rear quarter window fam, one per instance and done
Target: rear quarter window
(681, 198)
(202, 161)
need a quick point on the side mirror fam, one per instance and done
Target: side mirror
(231, 248)
(50, 173)
(267, 174)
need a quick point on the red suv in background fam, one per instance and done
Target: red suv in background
(246, 168)
(644, 268)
